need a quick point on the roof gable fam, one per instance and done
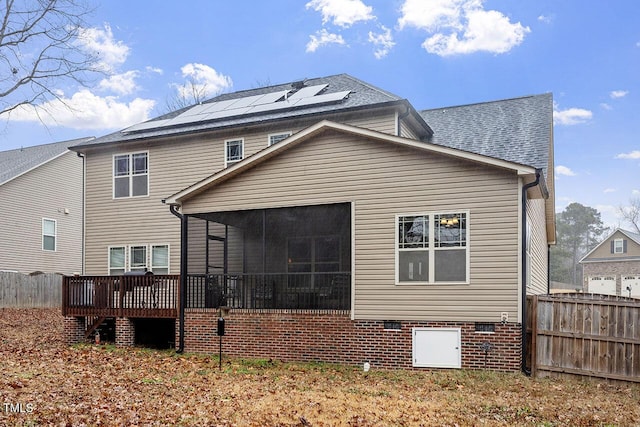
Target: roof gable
(14, 163)
(310, 132)
(594, 255)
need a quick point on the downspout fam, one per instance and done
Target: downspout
(400, 118)
(183, 274)
(523, 262)
(84, 207)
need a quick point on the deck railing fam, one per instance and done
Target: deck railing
(315, 291)
(121, 296)
(158, 295)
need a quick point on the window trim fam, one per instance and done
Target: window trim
(124, 267)
(55, 235)
(130, 175)
(616, 247)
(148, 256)
(269, 143)
(156, 245)
(431, 247)
(228, 162)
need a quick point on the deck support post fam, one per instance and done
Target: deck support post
(73, 329)
(125, 332)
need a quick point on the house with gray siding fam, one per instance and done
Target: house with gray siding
(41, 226)
(329, 220)
(613, 266)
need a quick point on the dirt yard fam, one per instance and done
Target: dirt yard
(44, 382)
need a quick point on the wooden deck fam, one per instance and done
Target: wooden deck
(152, 296)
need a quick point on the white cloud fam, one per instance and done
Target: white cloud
(635, 192)
(461, 26)
(609, 190)
(206, 80)
(154, 70)
(606, 106)
(545, 19)
(84, 110)
(614, 94)
(323, 38)
(563, 170)
(633, 155)
(122, 84)
(571, 116)
(100, 42)
(383, 41)
(343, 13)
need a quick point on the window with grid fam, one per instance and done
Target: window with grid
(49, 231)
(432, 248)
(275, 138)
(130, 175)
(234, 150)
(116, 260)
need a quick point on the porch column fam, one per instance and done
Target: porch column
(125, 332)
(73, 329)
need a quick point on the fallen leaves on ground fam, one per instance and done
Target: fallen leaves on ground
(45, 382)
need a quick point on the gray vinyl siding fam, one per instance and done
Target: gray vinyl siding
(44, 192)
(337, 168)
(539, 249)
(174, 164)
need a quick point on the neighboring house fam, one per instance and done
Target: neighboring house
(337, 222)
(41, 224)
(613, 267)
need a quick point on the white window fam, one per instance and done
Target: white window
(277, 137)
(116, 260)
(131, 175)
(234, 150)
(432, 248)
(137, 258)
(160, 259)
(618, 246)
(49, 229)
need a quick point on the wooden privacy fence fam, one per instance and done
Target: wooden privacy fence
(19, 290)
(585, 334)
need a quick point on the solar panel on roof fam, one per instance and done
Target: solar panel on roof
(321, 99)
(267, 102)
(308, 91)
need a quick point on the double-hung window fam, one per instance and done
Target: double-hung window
(49, 230)
(234, 151)
(618, 246)
(277, 137)
(138, 258)
(160, 259)
(432, 248)
(131, 175)
(117, 260)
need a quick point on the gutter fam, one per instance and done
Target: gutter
(523, 261)
(183, 273)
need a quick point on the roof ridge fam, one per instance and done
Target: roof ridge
(487, 102)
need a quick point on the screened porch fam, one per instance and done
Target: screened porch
(283, 258)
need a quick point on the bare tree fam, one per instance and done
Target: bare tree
(631, 214)
(190, 93)
(39, 50)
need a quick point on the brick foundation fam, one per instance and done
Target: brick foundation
(125, 332)
(331, 336)
(73, 330)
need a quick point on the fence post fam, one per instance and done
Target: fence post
(534, 333)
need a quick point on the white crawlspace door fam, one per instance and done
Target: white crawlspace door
(437, 347)
(605, 285)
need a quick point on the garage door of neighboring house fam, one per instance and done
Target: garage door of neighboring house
(437, 347)
(631, 286)
(605, 285)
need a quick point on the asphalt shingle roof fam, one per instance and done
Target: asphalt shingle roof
(518, 130)
(16, 162)
(362, 94)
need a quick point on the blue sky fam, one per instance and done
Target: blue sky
(435, 53)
